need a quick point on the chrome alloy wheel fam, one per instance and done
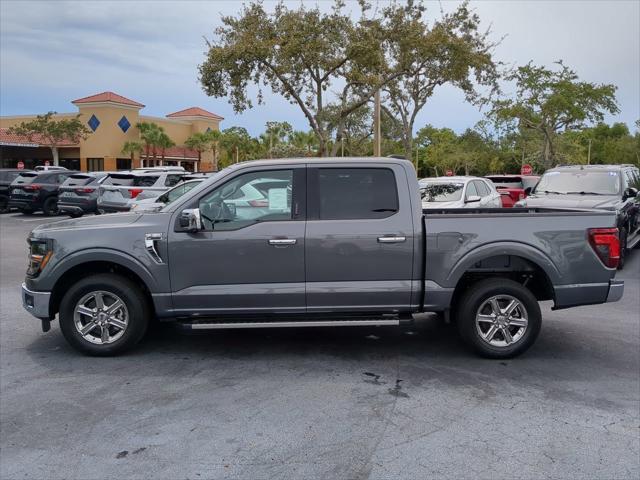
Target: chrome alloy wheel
(101, 317)
(501, 320)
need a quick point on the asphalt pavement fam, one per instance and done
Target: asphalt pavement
(363, 402)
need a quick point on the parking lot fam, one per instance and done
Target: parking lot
(365, 402)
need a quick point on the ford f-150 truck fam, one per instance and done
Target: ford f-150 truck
(321, 242)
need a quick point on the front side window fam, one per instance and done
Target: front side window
(356, 193)
(248, 199)
(481, 188)
(471, 191)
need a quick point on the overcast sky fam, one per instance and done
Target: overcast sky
(56, 51)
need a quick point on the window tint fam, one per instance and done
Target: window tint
(354, 193)
(240, 203)
(172, 180)
(471, 190)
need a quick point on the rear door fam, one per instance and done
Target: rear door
(359, 239)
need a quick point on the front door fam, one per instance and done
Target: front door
(250, 256)
(360, 239)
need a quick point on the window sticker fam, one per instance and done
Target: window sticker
(277, 199)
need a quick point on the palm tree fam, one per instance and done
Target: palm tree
(131, 148)
(305, 140)
(214, 137)
(199, 142)
(151, 135)
(164, 142)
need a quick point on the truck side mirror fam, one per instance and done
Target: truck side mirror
(629, 193)
(472, 199)
(190, 220)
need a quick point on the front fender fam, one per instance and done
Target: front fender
(47, 281)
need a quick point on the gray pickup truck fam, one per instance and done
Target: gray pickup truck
(320, 242)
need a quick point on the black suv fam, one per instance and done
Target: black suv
(32, 191)
(79, 193)
(7, 175)
(605, 187)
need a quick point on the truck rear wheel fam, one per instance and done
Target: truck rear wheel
(104, 315)
(499, 318)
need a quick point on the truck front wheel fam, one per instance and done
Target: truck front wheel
(499, 318)
(104, 315)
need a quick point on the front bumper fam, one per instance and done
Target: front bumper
(36, 303)
(616, 289)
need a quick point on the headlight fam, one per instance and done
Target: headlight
(40, 251)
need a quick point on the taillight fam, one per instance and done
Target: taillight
(85, 190)
(32, 186)
(259, 203)
(135, 192)
(606, 243)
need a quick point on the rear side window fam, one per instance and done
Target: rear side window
(172, 180)
(356, 193)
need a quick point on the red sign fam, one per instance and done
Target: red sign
(449, 173)
(20, 165)
(526, 169)
(47, 163)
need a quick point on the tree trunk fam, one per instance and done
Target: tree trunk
(214, 150)
(237, 155)
(548, 152)
(56, 159)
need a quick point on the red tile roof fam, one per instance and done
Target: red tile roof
(108, 97)
(175, 152)
(194, 112)
(12, 139)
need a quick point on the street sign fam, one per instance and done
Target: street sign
(526, 169)
(21, 165)
(449, 173)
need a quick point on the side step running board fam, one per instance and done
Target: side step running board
(295, 324)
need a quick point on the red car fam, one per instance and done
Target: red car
(513, 187)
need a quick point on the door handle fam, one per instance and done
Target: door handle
(282, 241)
(392, 239)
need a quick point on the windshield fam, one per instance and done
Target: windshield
(587, 182)
(441, 192)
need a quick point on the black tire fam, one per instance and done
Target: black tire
(131, 295)
(26, 211)
(4, 205)
(623, 247)
(76, 214)
(50, 206)
(481, 292)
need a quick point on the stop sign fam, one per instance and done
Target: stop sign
(526, 169)
(47, 163)
(21, 165)
(449, 173)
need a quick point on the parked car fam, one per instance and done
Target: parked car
(158, 202)
(119, 190)
(341, 242)
(32, 191)
(608, 187)
(458, 192)
(79, 193)
(7, 175)
(49, 168)
(513, 187)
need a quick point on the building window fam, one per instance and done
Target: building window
(123, 163)
(70, 163)
(95, 164)
(94, 123)
(124, 124)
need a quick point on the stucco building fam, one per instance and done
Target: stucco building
(112, 120)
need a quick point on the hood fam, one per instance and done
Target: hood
(454, 204)
(604, 202)
(97, 221)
